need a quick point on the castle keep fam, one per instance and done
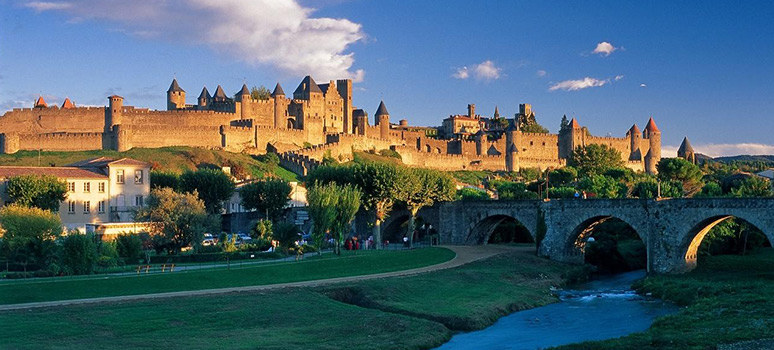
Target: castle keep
(317, 121)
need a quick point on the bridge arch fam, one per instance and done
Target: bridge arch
(481, 231)
(577, 240)
(692, 240)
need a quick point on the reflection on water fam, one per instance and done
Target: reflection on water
(602, 309)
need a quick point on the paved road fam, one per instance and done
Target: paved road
(465, 254)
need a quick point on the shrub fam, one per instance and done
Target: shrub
(79, 253)
(129, 247)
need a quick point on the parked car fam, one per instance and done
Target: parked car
(208, 240)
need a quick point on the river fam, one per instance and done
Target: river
(602, 309)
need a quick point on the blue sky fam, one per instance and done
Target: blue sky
(701, 69)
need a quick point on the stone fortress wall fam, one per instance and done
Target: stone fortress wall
(318, 120)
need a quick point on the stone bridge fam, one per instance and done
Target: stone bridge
(672, 229)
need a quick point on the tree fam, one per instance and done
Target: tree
(679, 169)
(472, 194)
(603, 186)
(347, 205)
(528, 123)
(650, 189)
(260, 93)
(379, 184)
(595, 159)
(176, 220)
(269, 196)
(129, 247)
(507, 190)
(286, 234)
(377, 181)
(711, 189)
(564, 124)
(159, 179)
(332, 208)
(79, 253)
(752, 186)
(212, 186)
(423, 187)
(40, 191)
(562, 176)
(322, 209)
(28, 234)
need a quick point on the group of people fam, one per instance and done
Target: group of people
(355, 243)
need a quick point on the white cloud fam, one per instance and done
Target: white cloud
(277, 33)
(573, 85)
(643, 85)
(486, 70)
(618, 77)
(45, 6)
(733, 149)
(604, 48)
(461, 73)
(541, 73)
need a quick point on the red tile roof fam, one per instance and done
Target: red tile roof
(574, 124)
(59, 172)
(40, 102)
(68, 104)
(104, 161)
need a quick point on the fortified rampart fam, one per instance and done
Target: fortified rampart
(316, 121)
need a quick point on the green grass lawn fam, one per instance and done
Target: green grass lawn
(728, 299)
(175, 159)
(353, 263)
(290, 319)
(302, 318)
(469, 297)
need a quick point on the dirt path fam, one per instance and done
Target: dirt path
(465, 254)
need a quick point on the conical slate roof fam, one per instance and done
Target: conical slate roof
(220, 94)
(685, 147)
(651, 125)
(307, 85)
(174, 87)
(244, 91)
(67, 104)
(278, 91)
(205, 94)
(382, 110)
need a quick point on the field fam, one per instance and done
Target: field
(173, 159)
(354, 263)
(415, 312)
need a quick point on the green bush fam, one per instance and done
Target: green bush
(79, 253)
(129, 247)
(108, 255)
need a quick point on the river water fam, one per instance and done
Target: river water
(602, 309)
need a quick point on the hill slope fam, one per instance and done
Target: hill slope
(173, 159)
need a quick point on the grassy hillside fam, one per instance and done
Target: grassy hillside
(175, 159)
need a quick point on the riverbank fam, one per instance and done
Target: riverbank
(727, 299)
(412, 312)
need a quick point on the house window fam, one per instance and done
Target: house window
(86, 207)
(101, 206)
(138, 201)
(71, 207)
(87, 187)
(71, 186)
(101, 187)
(119, 176)
(138, 176)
